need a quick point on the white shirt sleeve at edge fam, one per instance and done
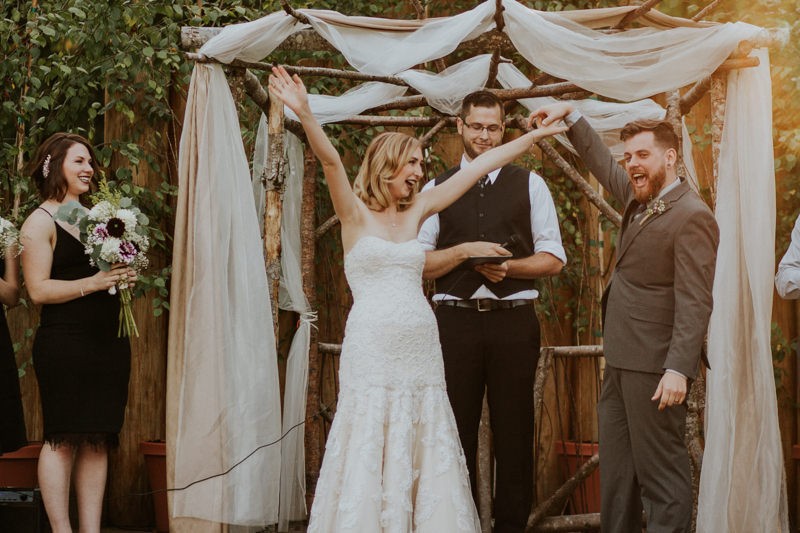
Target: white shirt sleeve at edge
(787, 280)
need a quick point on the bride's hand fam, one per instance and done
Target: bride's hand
(545, 129)
(289, 89)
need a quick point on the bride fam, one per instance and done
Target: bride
(393, 461)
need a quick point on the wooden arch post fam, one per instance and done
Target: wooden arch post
(273, 179)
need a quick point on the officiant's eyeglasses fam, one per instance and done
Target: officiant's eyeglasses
(477, 127)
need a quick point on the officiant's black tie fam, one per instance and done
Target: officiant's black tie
(483, 181)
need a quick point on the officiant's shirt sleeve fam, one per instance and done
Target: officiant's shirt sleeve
(544, 220)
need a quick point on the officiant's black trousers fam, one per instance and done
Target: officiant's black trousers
(497, 351)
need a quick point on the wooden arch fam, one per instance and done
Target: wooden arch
(678, 105)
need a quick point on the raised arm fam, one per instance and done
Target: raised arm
(590, 148)
(448, 192)
(291, 91)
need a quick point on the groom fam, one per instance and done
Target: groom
(656, 309)
(487, 325)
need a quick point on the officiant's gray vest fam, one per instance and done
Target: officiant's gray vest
(492, 213)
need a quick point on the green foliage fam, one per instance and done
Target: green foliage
(781, 349)
(68, 64)
(24, 344)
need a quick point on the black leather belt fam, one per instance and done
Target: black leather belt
(485, 304)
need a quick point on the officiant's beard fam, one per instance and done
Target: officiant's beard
(480, 147)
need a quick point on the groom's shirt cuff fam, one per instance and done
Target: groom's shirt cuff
(676, 372)
(572, 118)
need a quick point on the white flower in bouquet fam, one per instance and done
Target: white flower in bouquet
(110, 250)
(102, 210)
(128, 218)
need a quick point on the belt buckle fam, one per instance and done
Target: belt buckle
(480, 307)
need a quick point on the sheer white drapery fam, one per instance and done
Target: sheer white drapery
(445, 91)
(366, 49)
(290, 297)
(333, 108)
(629, 65)
(226, 403)
(252, 41)
(742, 485)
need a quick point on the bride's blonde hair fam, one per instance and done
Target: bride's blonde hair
(385, 156)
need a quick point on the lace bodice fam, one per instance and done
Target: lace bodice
(391, 331)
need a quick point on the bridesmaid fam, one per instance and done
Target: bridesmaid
(81, 364)
(12, 421)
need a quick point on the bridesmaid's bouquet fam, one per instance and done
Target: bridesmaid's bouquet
(9, 238)
(112, 231)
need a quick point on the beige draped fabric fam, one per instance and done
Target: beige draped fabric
(603, 17)
(223, 405)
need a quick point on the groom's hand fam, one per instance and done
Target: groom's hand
(671, 390)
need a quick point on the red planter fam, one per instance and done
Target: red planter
(18, 469)
(586, 497)
(155, 458)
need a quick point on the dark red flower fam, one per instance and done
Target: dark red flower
(115, 227)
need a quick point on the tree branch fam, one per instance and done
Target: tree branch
(706, 10)
(693, 95)
(290, 10)
(558, 351)
(633, 15)
(564, 491)
(324, 227)
(301, 71)
(426, 139)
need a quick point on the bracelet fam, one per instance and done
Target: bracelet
(82, 294)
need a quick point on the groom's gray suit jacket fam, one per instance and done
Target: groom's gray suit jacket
(658, 302)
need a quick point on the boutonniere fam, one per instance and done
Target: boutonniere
(655, 208)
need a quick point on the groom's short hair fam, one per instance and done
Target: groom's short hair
(663, 132)
(481, 98)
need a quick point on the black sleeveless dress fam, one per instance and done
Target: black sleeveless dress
(81, 365)
(12, 420)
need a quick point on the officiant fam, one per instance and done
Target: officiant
(484, 308)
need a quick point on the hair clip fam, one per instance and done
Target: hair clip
(46, 166)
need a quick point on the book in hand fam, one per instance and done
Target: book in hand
(482, 260)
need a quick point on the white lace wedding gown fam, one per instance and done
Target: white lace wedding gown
(393, 461)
